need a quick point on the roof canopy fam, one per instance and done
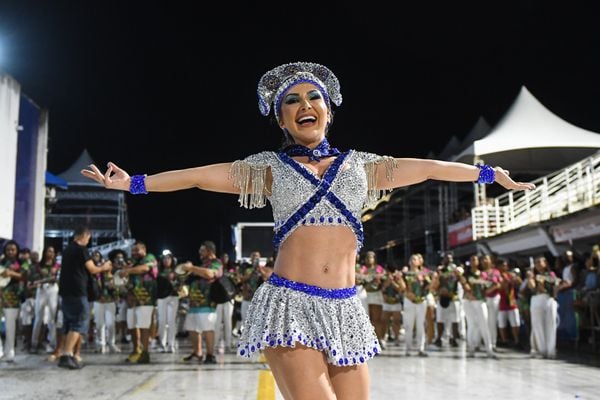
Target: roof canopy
(53, 180)
(530, 138)
(73, 175)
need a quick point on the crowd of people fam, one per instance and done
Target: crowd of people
(139, 300)
(146, 303)
(488, 301)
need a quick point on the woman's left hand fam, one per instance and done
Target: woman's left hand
(503, 178)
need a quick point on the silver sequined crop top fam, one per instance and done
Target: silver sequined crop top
(299, 197)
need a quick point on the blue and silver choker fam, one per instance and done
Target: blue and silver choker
(323, 150)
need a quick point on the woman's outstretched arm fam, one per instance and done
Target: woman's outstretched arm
(213, 177)
(410, 171)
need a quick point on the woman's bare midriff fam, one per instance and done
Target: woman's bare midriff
(322, 256)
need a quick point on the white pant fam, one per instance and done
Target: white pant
(448, 315)
(139, 317)
(493, 306)
(244, 309)
(544, 310)
(167, 320)
(361, 292)
(121, 311)
(476, 312)
(104, 317)
(414, 314)
(462, 316)
(27, 311)
(375, 298)
(45, 297)
(392, 307)
(224, 313)
(200, 322)
(10, 324)
(510, 316)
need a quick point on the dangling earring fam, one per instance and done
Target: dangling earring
(329, 122)
(288, 138)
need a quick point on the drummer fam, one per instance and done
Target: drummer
(202, 315)
(141, 277)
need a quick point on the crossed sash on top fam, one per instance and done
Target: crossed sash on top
(323, 186)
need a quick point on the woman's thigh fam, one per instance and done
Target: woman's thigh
(350, 382)
(375, 311)
(385, 316)
(300, 373)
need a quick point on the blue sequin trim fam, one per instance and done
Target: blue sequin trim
(487, 174)
(137, 184)
(343, 293)
(322, 344)
(324, 190)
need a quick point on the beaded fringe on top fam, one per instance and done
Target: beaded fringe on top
(374, 194)
(250, 179)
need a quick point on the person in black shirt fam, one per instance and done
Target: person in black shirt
(76, 267)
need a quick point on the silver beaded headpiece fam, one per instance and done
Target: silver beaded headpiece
(276, 82)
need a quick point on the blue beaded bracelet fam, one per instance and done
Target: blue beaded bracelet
(486, 174)
(138, 185)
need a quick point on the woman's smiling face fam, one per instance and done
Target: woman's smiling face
(304, 114)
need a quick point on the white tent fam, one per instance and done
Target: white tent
(531, 139)
(478, 131)
(73, 174)
(451, 148)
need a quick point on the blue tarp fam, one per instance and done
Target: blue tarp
(54, 180)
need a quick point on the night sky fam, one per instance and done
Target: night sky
(154, 86)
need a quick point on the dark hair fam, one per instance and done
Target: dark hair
(43, 257)
(500, 261)
(113, 254)
(81, 230)
(210, 246)
(168, 255)
(140, 243)
(8, 243)
(25, 250)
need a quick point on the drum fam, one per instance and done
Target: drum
(4, 281)
(183, 291)
(118, 280)
(180, 271)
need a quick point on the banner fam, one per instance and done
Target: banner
(460, 233)
(577, 229)
(29, 122)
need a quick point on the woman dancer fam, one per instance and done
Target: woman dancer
(308, 314)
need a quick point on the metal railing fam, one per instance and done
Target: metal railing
(563, 192)
(108, 247)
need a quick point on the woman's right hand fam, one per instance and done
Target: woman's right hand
(113, 178)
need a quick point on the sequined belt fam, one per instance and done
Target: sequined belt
(343, 293)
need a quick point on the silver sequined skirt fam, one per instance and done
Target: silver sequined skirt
(284, 313)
